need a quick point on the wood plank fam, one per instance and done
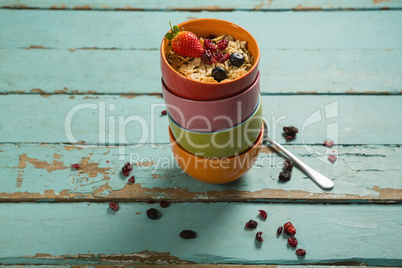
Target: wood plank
(42, 172)
(196, 5)
(124, 72)
(95, 119)
(280, 30)
(90, 233)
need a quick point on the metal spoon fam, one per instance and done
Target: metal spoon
(317, 177)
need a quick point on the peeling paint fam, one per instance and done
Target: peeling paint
(145, 256)
(375, 2)
(72, 50)
(57, 156)
(304, 8)
(129, 96)
(37, 47)
(145, 164)
(86, 7)
(55, 165)
(37, 90)
(128, 8)
(58, 7)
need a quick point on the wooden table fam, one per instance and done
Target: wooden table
(80, 83)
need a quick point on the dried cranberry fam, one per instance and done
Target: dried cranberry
(76, 166)
(291, 131)
(223, 44)
(114, 206)
(290, 138)
(301, 252)
(127, 169)
(151, 202)
(164, 204)
(292, 241)
(207, 58)
(152, 213)
(287, 165)
(224, 58)
(209, 45)
(289, 228)
(131, 179)
(332, 158)
(107, 161)
(217, 55)
(164, 112)
(187, 234)
(258, 236)
(279, 231)
(285, 175)
(329, 143)
(251, 224)
(263, 214)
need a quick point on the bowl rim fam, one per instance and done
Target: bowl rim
(247, 90)
(259, 105)
(256, 57)
(257, 142)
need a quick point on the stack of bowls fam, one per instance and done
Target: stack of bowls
(215, 129)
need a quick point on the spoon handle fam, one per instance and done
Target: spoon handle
(317, 177)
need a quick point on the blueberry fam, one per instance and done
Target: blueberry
(236, 59)
(219, 74)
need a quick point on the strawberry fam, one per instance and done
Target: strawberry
(185, 43)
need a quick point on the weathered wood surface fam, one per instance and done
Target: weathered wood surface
(91, 233)
(32, 172)
(198, 5)
(55, 71)
(279, 30)
(347, 120)
(321, 52)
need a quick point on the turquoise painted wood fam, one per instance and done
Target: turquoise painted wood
(205, 5)
(90, 233)
(137, 71)
(280, 30)
(32, 172)
(113, 119)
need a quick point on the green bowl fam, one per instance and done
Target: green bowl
(220, 144)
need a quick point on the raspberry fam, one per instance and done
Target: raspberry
(209, 45)
(164, 112)
(258, 236)
(279, 231)
(114, 206)
(285, 175)
(332, 158)
(301, 252)
(292, 241)
(131, 180)
(127, 169)
(224, 58)
(76, 166)
(207, 58)
(152, 213)
(223, 44)
(288, 165)
(329, 143)
(164, 204)
(187, 234)
(263, 214)
(251, 224)
(289, 228)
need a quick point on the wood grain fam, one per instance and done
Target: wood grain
(43, 173)
(90, 233)
(198, 5)
(54, 71)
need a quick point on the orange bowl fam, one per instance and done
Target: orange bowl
(216, 170)
(196, 90)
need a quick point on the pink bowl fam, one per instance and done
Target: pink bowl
(196, 90)
(214, 115)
